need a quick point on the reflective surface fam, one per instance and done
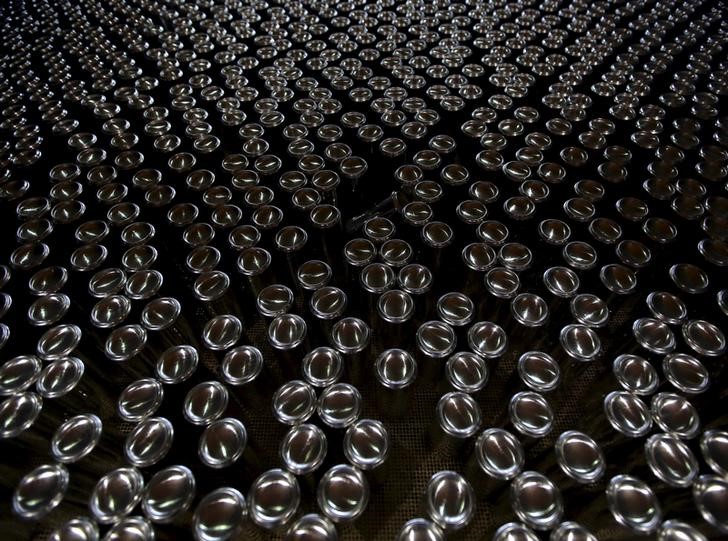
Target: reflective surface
(363, 270)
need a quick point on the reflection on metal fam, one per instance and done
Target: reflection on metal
(363, 270)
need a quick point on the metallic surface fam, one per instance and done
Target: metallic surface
(394, 269)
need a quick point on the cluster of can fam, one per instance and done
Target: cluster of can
(254, 241)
